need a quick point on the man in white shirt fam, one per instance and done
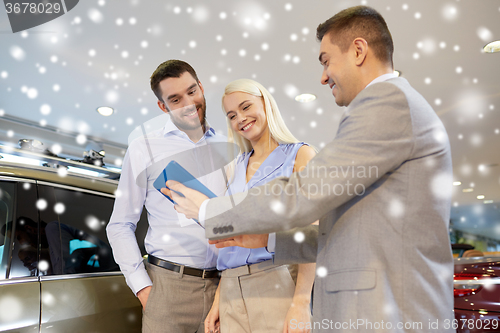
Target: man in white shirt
(177, 285)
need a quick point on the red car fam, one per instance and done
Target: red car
(476, 288)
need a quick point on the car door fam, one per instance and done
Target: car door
(19, 253)
(82, 288)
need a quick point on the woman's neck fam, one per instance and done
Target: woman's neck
(264, 145)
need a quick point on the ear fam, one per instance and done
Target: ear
(360, 50)
(162, 106)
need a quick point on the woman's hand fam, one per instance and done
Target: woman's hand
(298, 318)
(212, 323)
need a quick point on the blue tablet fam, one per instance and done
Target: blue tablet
(174, 171)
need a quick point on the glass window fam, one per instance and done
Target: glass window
(73, 232)
(20, 235)
(6, 216)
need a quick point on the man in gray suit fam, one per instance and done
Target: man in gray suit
(381, 189)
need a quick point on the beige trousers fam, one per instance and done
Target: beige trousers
(177, 303)
(255, 298)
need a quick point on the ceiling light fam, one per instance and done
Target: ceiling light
(467, 190)
(398, 73)
(105, 111)
(457, 183)
(480, 197)
(304, 98)
(488, 201)
(492, 47)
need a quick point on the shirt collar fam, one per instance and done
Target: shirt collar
(382, 78)
(170, 128)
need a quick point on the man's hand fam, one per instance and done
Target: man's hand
(143, 296)
(249, 241)
(188, 205)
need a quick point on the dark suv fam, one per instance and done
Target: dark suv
(57, 272)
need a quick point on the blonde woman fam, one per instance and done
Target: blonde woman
(254, 295)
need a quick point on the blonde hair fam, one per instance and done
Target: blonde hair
(278, 131)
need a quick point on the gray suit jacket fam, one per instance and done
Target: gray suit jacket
(382, 192)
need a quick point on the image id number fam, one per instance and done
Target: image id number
(33, 8)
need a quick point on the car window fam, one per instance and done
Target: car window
(73, 231)
(6, 215)
(20, 231)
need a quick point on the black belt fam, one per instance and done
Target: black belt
(204, 274)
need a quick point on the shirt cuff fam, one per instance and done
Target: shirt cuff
(203, 212)
(139, 280)
(271, 243)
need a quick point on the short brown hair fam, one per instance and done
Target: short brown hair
(169, 68)
(359, 21)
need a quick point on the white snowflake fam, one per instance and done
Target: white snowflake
(17, 53)
(277, 207)
(32, 93)
(449, 12)
(95, 15)
(112, 96)
(62, 172)
(93, 223)
(441, 185)
(45, 109)
(48, 299)
(11, 308)
(484, 34)
(396, 208)
(321, 271)
(299, 237)
(43, 265)
(81, 139)
(291, 90)
(41, 204)
(465, 169)
(201, 14)
(476, 140)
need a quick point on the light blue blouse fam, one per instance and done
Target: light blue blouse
(279, 163)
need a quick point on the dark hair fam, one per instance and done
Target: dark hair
(169, 68)
(359, 21)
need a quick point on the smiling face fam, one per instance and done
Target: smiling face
(339, 71)
(184, 101)
(246, 115)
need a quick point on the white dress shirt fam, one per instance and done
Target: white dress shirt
(170, 235)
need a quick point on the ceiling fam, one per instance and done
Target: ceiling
(102, 52)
